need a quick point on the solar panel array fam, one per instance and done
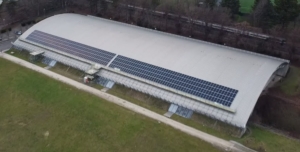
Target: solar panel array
(74, 48)
(194, 86)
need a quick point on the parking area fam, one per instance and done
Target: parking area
(12, 33)
(4, 45)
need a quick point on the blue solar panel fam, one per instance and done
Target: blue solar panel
(71, 47)
(197, 87)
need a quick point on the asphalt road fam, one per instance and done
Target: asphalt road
(8, 37)
(4, 45)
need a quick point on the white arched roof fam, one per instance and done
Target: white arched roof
(237, 69)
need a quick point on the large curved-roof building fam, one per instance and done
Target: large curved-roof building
(218, 81)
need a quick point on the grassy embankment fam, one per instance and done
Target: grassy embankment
(291, 84)
(259, 139)
(38, 113)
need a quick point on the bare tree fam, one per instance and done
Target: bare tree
(116, 10)
(93, 4)
(168, 7)
(293, 38)
(180, 11)
(263, 15)
(129, 5)
(144, 16)
(191, 14)
(11, 8)
(34, 8)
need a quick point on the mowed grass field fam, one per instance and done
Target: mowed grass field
(291, 84)
(246, 5)
(38, 114)
(257, 138)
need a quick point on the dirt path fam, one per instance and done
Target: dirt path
(223, 144)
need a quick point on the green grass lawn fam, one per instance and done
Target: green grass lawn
(24, 55)
(246, 5)
(291, 84)
(266, 141)
(258, 138)
(38, 114)
(31, 109)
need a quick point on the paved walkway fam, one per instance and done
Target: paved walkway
(4, 45)
(221, 143)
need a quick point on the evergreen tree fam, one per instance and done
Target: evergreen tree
(233, 5)
(287, 11)
(210, 3)
(255, 4)
(263, 14)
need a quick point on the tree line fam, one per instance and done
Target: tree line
(265, 14)
(279, 18)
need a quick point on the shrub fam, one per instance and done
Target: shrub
(3, 31)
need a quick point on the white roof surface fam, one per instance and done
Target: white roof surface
(244, 71)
